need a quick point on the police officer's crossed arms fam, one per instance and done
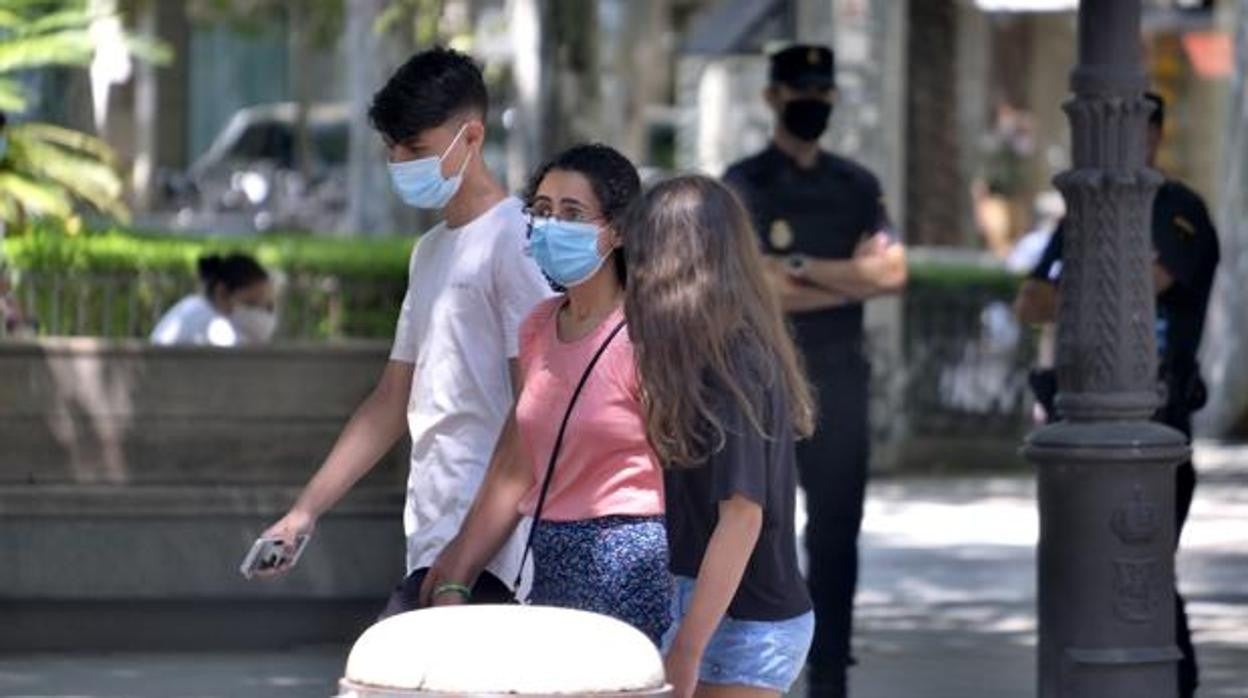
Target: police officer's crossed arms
(804, 283)
(824, 230)
(807, 203)
(1186, 255)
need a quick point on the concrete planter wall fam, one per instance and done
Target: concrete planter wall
(133, 479)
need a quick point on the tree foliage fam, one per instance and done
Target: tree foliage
(48, 170)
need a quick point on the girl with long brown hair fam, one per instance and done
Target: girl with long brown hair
(725, 399)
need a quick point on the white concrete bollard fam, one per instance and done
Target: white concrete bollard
(503, 651)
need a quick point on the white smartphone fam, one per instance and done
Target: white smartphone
(267, 553)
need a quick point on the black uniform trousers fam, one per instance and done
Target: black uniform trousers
(833, 469)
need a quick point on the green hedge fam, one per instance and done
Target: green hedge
(116, 283)
(126, 251)
(120, 280)
(948, 275)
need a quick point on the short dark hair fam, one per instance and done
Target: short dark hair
(612, 176)
(234, 271)
(427, 91)
(1156, 119)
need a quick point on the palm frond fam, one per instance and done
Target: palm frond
(49, 168)
(55, 22)
(66, 138)
(71, 170)
(10, 212)
(81, 175)
(38, 8)
(12, 96)
(65, 48)
(38, 198)
(149, 49)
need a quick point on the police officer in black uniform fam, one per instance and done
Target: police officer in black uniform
(1186, 251)
(824, 229)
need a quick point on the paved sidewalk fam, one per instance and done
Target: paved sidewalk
(947, 601)
(302, 673)
(946, 608)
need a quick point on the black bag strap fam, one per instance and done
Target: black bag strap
(554, 453)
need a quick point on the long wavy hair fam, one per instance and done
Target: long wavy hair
(703, 318)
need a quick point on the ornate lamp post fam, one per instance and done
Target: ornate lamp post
(1106, 473)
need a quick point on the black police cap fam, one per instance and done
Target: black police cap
(804, 66)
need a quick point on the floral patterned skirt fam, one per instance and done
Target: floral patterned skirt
(614, 565)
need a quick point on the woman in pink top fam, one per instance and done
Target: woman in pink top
(599, 542)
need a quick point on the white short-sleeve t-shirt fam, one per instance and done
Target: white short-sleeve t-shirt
(194, 321)
(469, 290)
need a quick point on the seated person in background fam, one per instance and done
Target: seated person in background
(235, 308)
(1048, 210)
(13, 321)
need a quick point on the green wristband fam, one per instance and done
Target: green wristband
(455, 587)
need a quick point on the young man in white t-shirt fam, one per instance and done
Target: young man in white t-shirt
(452, 375)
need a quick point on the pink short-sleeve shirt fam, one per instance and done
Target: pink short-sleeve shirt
(606, 466)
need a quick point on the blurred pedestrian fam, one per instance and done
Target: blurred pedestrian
(997, 194)
(574, 454)
(14, 322)
(234, 308)
(1047, 212)
(1186, 255)
(828, 247)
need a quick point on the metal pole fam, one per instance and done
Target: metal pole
(1106, 473)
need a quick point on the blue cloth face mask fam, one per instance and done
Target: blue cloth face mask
(420, 184)
(566, 252)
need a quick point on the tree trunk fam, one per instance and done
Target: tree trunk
(569, 52)
(372, 209)
(1226, 335)
(146, 128)
(642, 73)
(298, 44)
(523, 136)
(934, 198)
(555, 80)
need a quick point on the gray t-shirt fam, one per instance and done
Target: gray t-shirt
(763, 469)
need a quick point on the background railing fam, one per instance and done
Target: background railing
(965, 361)
(950, 364)
(115, 305)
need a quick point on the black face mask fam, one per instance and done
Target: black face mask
(806, 119)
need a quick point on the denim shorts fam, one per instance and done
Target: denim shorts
(760, 654)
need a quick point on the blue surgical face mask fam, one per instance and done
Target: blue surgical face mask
(419, 183)
(566, 252)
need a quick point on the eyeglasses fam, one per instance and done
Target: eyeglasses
(533, 214)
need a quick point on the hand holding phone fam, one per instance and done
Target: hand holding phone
(296, 524)
(270, 554)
